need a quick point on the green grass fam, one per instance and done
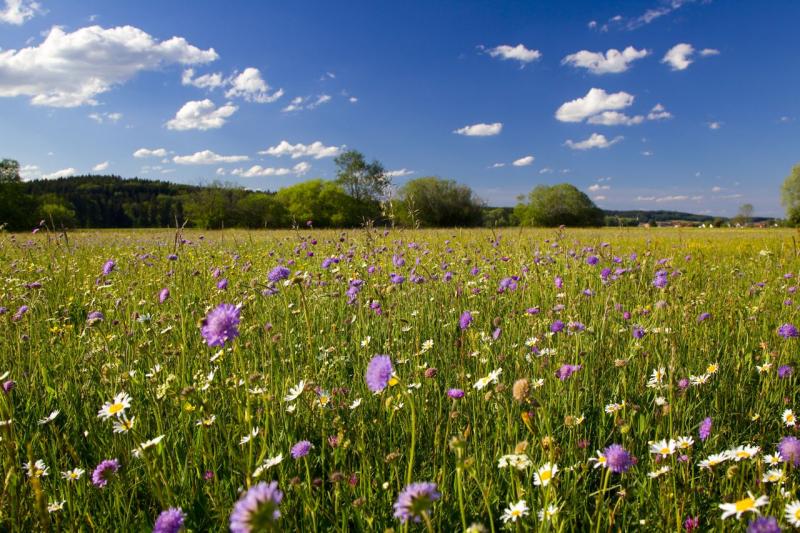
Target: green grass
(307, 331)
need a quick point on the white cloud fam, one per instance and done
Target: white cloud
(706, 52)
(317, 150)
(613, 61)
(596, 101)
(258, 171)
(517, 53)
(100, 167)
(658, 113)
(596, 140)
(252, 87)
(600, 198)
(679, 56)
(63, 173)
(353, 99)
(221, 171)
(301, 103)
(645, 198)
(201, 115)
(716, 188)
(647, 153)
(615, 118)
(17, 12)
(524, 161)
(731, 196)
(206, 81)
(146, 152)
(72, 69)
(546, 170)
(101, 118)
(207, 157)
(597, 187)
(30, 172)
(398, 173)
(715, 125)
(652, 14)
(480, 130)
(498, 165)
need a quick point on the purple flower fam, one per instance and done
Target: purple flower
(104, 471)
(455, 393)
(278, 273)
(788, 331)
(556, 326)
(784, 371)
(94, 316)
(222, 284)
(301, 449)
(566, 371)
(558, 282)
(691, 523)
(661, 279)
(172, 257)
(108, 267)
(638, 332)
(20, 313)
(703, 317)
(507, 284)
(592, 260)
(705, 428)
(465, 320)
(163, 295)
(379, 372)
(169, 521)
(764, 524)
(618, 460)
(414, 501)
(9, 385)
(789, 450)
(219, 326)
(397, 279)
(258, 509)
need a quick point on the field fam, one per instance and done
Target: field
(517, 359)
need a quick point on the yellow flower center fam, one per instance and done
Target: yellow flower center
(115, 408)
(744, 505)
(546, 475)
(742, 454)
(797, 514)
(664, 451)
(516, 512)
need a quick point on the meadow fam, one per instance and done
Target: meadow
(365, 380)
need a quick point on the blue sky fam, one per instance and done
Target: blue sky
(700, 114)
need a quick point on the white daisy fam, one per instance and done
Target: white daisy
(116, 407)
(545, 475)
(515, 511)
(745, 505)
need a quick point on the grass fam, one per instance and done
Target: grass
(204, 400)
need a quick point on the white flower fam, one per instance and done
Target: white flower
(656, 378)
(658, 473)
(663, 447)
(699, 380)
(749, 504)
(600, 460)
(684, 443)
(515, 511)
(55, 506)
(788, 418)
(74, 474)
(253, 432)
(548, 513)
(267, 464)
(37, 469)
(206, 422)
(743, 452)
(355, 403)
(116, 407)
(545, 475)
(491, 378)
(773, 475)
(715, 459)
(792, 513)
(138, 451)
(772, 459)
(518, 461)
(295, 392)
(49, 418)
(123, 424)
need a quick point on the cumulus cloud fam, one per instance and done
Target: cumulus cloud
(72, 69)
(615, 118)
(102, 118)
(498, 165)
(595, 140)
(100, 167)
(146, 152)
(257, 171)
(201, 115)
(480, 130)
(613, 61)
(679, 56)
(207, 157)
(17, 12)
(516, 53)
(251, 86)
(524, 161)
(597, 187)
(63, 173)
(206, 81)
(301, 103)
(658, 113)
(705, 52)
(317, 150)
(714, 125)
(596, 101)
(398, 173)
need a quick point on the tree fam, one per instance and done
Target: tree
(9, 171)
(323, 202)
(790, 194)
(745, 214)
(557, 205)
(260, 210)
(361, 180)
(433, 201)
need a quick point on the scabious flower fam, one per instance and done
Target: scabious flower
(455, 393)
(163, 295)
(104, 471)
(415, 500)
(784, 371)
(258, 509)
(379, 372)
(169, 521)
(465, 320)
(566, 371)
(219, 326)
(705, 428)
(108, 267)
(764, 524)
(557, 326)
(278, 273)
(222, 284)
(789, 450)
(301, 449)
(788, 331)
(9, 385)
(618, 460)
(638, 332)
(691, 523)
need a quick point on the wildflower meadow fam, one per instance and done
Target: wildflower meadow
(408, 380)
